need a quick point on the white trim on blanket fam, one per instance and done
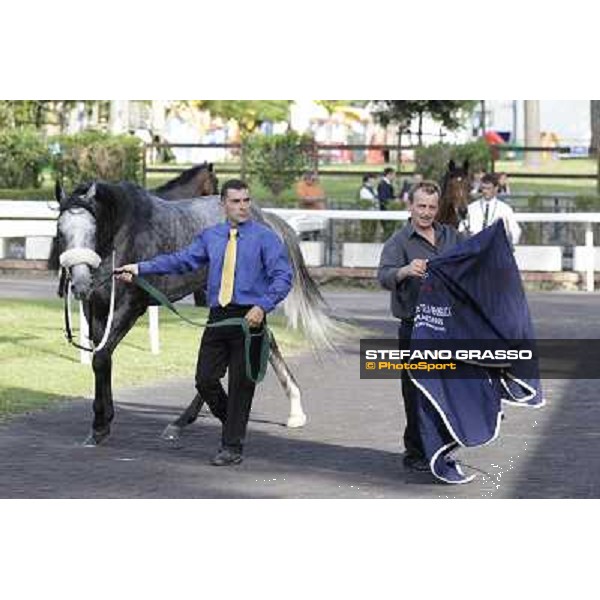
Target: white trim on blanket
(513, 400)
(447, 423)
(434, 458)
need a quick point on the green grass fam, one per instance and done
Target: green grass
(343, 189)
(578, 166)
(39, 367)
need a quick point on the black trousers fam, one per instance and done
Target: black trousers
(411, 396)
(223, 349)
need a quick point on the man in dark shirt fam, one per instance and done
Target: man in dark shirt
(248, 275)
(385, 189)
(386, 194)
(402, 267)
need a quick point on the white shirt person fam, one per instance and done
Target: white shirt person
(488, 209)
(368, 191)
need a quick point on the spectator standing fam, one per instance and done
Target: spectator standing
(407, 185)
(310, 194)
(503, 185)
(488, 209)
(367, 191)
(385, 189)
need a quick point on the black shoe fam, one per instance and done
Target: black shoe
(226, 457)
(415, 463)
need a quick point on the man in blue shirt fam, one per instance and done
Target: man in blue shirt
(249, 273)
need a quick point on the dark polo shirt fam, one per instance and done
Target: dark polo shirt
(403, 247)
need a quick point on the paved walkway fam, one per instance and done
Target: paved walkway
(348, 449)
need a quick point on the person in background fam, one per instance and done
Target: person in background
(488, 209)
(310, 194)
(476, 182)
(367, 191)
(408, 184)
(503, 185)
(385, 189)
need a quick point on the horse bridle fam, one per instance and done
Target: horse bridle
(462, 213)
(76, 256)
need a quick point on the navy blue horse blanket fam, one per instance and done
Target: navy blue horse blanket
(472, 292)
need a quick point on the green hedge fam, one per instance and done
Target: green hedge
(43, 193)
(23, 155)
(94, 155)
(432, 161)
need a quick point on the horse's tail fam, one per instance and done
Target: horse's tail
(304, 304)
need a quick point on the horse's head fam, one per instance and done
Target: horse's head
(77, 236)
(208, 182)
(455, 193)
(192, 183)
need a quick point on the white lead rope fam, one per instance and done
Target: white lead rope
(111, 311)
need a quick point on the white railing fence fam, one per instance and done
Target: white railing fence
(35, 223)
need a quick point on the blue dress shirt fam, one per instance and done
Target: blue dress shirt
(263, 275)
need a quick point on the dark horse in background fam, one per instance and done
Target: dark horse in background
(123, 223)
(456, 189)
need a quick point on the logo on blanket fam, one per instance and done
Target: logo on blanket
(433, 316)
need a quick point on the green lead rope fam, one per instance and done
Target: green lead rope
(265, 334)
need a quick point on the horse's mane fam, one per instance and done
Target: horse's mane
(115, 200)
(183, 179)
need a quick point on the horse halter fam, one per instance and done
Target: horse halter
(77, 256)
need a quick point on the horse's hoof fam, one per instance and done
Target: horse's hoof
(295, 421)
(172, 435)
(95, 438)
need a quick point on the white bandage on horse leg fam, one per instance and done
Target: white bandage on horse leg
(78, 256)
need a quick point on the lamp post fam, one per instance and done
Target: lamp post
(532, 131)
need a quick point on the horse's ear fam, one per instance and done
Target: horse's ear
(59, 193)
(210, 167)
(466, 165)
(91, 192)
(451, 166)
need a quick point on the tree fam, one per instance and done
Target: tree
(22, 113)
(38, 113)
(249, 114)
(451, 114)
(276, 161)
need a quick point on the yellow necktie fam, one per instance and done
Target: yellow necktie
(226, 291)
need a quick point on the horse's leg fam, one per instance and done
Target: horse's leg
(297, 418)
(124, 318)
(172, 432)
(287, 380)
